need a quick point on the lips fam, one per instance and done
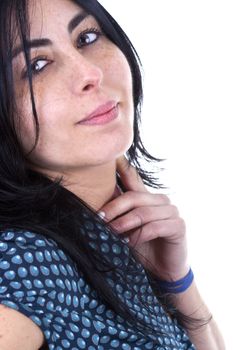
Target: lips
(102, 109)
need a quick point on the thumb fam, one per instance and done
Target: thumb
(129, 175)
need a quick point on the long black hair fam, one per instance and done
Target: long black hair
(31, 201)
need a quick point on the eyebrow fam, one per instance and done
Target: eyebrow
(46, 42)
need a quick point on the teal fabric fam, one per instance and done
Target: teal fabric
(41, 281)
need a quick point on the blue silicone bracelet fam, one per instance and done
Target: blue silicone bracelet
(176, 286)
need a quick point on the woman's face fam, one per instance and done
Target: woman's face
(75, 71)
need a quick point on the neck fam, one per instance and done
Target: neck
(94, 185)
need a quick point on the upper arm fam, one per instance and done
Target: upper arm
(37, 287)
(18, 332)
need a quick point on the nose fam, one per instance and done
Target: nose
(86, 75)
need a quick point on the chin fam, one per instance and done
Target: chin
(110, 154)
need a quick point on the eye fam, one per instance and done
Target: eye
(88, 37)
(38, 65)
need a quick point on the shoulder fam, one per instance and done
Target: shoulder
(23, 238)
(21, 256)
(25, 247)
(31, 270)
(30, 261)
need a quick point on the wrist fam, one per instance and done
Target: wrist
(176, 286)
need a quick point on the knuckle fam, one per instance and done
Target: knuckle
(181, 224)
(130, 196)
(164, 198)
(141, 212)
(174, 210)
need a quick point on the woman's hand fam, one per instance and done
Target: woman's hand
(151, 223)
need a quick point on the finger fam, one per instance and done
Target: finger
(143, 215)
(129, 175)
(172, 230)
(130, 200)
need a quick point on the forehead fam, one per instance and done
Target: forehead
(48, 15)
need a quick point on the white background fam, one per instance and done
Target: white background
(186, 48)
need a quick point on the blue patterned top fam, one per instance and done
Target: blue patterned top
(40, 280)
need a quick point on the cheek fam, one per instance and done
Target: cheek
(118, 69)
(25, 126)
(118, 77)
(115, 67)
(24, 119)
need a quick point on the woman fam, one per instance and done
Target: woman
(90, 259)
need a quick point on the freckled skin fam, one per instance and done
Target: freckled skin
(73, 85)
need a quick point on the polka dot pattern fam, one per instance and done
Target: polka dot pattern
(40, 280)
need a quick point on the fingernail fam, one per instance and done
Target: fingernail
(101, 214)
